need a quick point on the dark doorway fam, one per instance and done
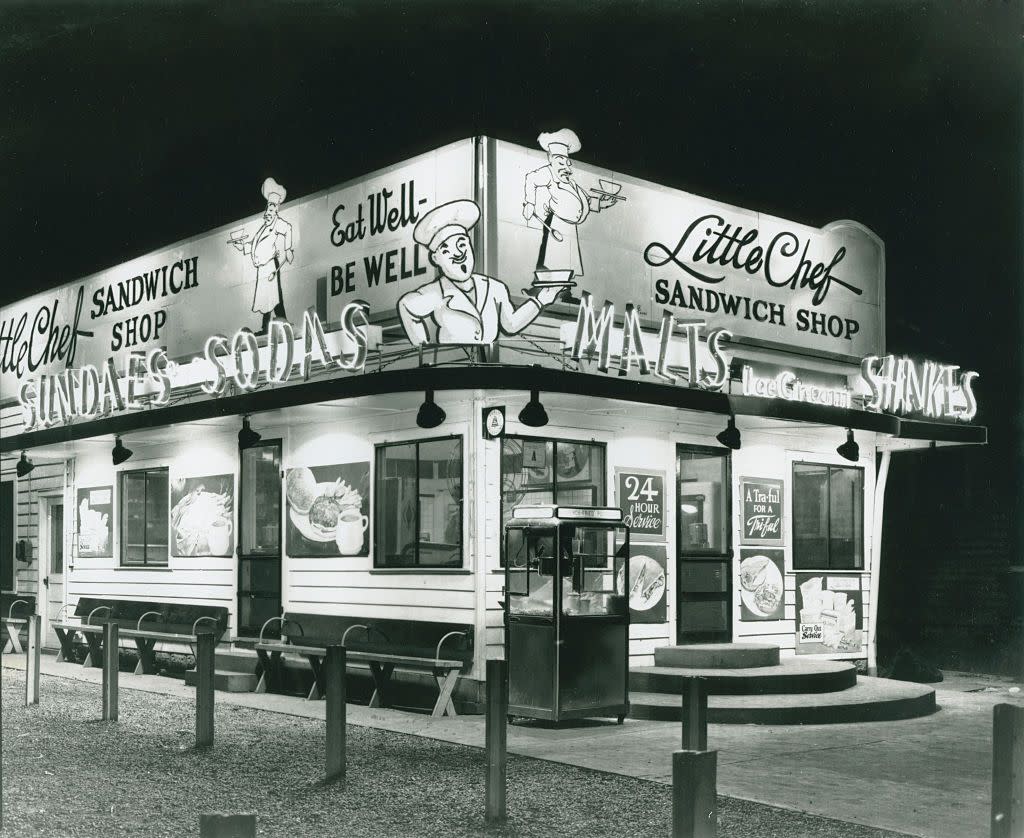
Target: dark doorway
(259, 546)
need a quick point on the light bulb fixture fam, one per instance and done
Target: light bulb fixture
(24, 466)
(730, 437)
(849, 450)
(247, 437)
(534, 415)
(119, 453)
(430, 415)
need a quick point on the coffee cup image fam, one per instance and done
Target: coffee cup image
(218, 536)
(349, 534)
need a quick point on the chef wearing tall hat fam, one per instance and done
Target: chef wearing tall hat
(554, 202)
(269, 250)
(461, 307)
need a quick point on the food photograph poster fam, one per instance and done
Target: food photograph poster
(328, 510)
(646, 583)
(830, 613)
(95, 521)
(761, 584)
(203, 515)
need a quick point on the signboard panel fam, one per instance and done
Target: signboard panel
(761, 501)
(760, 277)
(762, 589)
(830, 613)
(641, 497)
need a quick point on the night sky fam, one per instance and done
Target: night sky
(128, 128)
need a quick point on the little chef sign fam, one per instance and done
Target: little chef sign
(762, 510)
(642, 501)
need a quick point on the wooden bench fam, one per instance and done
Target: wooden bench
(14, 612)
(383, 645)
(146, 623)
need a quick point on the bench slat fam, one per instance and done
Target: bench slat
(401, 660)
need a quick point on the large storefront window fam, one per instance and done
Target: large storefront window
(418, 504)
(828, 517)
(536, 471)
(144, 517)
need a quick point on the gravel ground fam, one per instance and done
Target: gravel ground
(65, 773)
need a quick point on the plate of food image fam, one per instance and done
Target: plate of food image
(646, 582)
(314, 508)
(761, 585)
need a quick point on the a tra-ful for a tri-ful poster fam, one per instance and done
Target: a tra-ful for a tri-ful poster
(647, 586)
(830, 614)
(328, 510)
(762, 594)
(761, 504)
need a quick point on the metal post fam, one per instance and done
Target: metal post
(695, 714)
(1007, 771)
(694, 789)
(205, 645)
(227, 826)
(334, 683)
(111, 655)
(495, 738)
(32, 661)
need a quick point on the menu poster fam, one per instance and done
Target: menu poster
(641, 497)
(646, 583)
(762, 510)
(328, 510)
(762, 594)
(95, 522)
(830, 614)
(203, 515)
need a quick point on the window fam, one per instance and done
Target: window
(828, 517)
(57, 539)
(418, 504)
(144, 517)
(260, 509)
(550, 471)
(703, 497)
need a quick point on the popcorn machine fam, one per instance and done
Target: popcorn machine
(566, 613)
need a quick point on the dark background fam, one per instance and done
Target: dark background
(130, 127)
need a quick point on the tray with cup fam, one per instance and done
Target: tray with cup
(609, 190)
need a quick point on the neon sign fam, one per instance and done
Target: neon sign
(149, 378)
(900, 385)
(787, 385)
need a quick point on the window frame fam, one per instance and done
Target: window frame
(121, 475)
(379, 564)
(826, 567)
(240, 548)
(555, 440)
(725, 455)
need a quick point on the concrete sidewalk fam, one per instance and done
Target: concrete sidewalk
(927, 777)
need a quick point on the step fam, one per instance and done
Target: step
(228, 682)
(791, 676)
(870, 700)
(235, 660)
(717, 655)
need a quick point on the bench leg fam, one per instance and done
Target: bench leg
(381, 675)
(446, 685)
(261, 685)
(147, 656)
(14, 641)
(95, 656)
(316, 691)
(270, 676)
(66, 640)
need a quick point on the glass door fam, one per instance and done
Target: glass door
(704, 545)
(259, 548)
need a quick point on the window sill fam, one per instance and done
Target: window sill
(826, 570)
(431, 571)
(143, 567)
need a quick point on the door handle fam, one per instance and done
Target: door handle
(46, 581)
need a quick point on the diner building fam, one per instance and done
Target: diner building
(333, 406)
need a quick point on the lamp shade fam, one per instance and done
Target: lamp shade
(849, 450)
(430, 414)
(534, 415)
(119, 453)
(247, 437)
(730, 437)
(24, 466)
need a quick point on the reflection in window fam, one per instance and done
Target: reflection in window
(828, 517)
(702, 493)
(144, 517)
(418, 504)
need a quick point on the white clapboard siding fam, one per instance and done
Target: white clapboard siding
(119, 576)
(433, 598)
(125, 587)
(316, 576)
(384, 612)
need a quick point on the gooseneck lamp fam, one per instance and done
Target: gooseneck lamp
(247, 437)
(24, 466)
(534, 415)
(730, 437)
(119, 453)
(849, 450)
(430, 414)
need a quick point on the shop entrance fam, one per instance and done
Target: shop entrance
(704, 545)
(259, 546)
(51, 565)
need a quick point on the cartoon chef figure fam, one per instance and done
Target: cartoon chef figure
(461, 307)
(554, 201)
(269, 250)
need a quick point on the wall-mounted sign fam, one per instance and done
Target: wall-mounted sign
(95, 522)
(786, 384)
(900, 385)
(493, 422)
(641, 497)
(830, 614)
(646, 583)
(328, 510)
(203, 515)
(762, 505)
(762, 592)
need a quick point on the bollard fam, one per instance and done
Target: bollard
(205, 644)
(334, 683)
(495, 738)
(227, 826)
(32, 661)
(694, 803)
(695, 714)
(111, 654)
(1007, 771)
